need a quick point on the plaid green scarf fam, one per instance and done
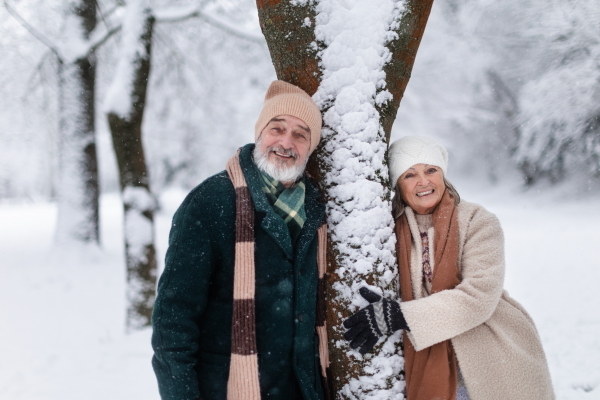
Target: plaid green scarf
(287, 202)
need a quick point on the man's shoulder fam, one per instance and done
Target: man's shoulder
(219, 183)
(214, 191)
(470, 211)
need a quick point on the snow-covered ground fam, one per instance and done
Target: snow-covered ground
(62, 311)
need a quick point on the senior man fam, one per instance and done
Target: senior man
(240, 306)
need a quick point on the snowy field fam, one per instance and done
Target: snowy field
(62, 311)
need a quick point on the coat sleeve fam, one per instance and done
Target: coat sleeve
(449, 313)
(181, 300)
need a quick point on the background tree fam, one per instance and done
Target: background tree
(124, 105)
(558, 124)
(521, 87)
(78, 187)
(356, 60)
(78, 212)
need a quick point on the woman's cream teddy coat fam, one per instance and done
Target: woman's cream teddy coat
(498, 348)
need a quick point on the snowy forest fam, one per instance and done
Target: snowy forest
(113, 110)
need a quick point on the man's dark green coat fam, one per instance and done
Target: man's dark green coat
(193, 310)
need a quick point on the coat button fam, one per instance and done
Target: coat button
(300, 317)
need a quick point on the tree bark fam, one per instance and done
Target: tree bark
(125, 110)
(404, 52)
(290, 40)
(290, 33)
(78, 213)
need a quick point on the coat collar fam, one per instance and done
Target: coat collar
(273, 224)
(315, 211)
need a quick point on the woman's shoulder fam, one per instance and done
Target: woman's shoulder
(473, 214)
(481, 239)
(472, 209)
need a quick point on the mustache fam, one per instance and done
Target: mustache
(278, 169)
(281, 150)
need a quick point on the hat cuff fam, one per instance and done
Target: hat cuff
(296, 106)
(398, 169)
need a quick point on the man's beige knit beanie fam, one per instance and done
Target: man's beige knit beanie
(283, 98)
(411, 150)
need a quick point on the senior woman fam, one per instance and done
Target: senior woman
(467, 338)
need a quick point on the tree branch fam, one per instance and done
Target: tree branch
(100, 11)
(109, 14)
(39, 36)
(100, 35)
(98, 39)
(177, 14)
(38, 68)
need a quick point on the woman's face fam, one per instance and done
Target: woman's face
(422, 187)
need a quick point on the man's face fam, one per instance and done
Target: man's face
(282, 148)
(286, 141)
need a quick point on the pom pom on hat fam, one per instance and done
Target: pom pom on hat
(411, 150)
(283, 98)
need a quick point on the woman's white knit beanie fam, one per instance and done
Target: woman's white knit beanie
(411, 150)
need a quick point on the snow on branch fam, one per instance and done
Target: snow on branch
(119, 98)
(98, 36)
(34, 32)
(68, 53)
(176, 14)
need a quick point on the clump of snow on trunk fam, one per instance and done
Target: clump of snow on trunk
(138, 225)
(354, 35)
(138, 228)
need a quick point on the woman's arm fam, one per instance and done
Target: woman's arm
(449, 313)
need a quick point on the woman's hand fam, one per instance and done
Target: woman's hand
(379, 318)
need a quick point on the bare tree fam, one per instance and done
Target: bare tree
(350, 161)
(78, 188)
(124, 106)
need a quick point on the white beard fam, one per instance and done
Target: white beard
(276, 170)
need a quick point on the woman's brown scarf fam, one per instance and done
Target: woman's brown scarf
(432, 372)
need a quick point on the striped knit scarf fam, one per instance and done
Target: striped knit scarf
(288, 203)
(243, 371)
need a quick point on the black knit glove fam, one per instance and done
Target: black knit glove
(379, 318)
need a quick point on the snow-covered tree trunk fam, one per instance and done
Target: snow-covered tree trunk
(124, 106)
(358, 56)
(78, 188)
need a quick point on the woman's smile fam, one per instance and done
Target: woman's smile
(425, 193)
